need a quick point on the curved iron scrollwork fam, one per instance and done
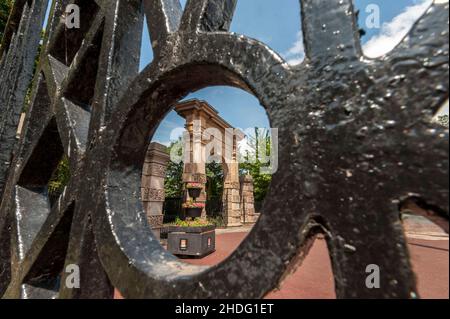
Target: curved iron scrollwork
(354, 134)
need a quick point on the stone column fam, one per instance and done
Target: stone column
(231, 192)
(249, 216)
(194, 170)
(153, 194)
(231, 196)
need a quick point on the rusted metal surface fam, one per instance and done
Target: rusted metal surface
(355, 139)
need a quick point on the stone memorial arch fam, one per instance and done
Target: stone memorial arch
(211, 138)
(208, 137)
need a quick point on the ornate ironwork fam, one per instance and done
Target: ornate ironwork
(355, 139)
(16, 70)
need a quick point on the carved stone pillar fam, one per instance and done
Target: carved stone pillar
(153, 194)
(207, 131)
(232, 196)
(249, 216)
(194, 170)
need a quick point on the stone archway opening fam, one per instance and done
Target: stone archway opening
(208, 144)
(211, 139)
(215, 174)
(216, 138)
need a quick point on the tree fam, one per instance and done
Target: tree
(252, 164)
(5, 9)
(214, 175)
(173, 182)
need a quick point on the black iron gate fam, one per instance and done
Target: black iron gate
(355, 139)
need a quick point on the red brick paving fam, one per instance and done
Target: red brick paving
(314, 279)
(430, 260)
(225, 245)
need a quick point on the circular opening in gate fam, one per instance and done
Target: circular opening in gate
(207, 172)
(123, 222)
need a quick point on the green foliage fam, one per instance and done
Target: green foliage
(252, 164)
(5, 9)
(261, 182)
(60, 178)
(198, 222)
(217, 221)
(214, 177)
(173, 182)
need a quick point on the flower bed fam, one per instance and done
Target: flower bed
(194, 185)
(192, 204)
(197, 222)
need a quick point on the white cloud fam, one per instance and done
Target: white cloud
(393, 32)
(296, 54)
(165, 143)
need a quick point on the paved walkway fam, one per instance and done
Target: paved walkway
(314, 279)
(428, 245)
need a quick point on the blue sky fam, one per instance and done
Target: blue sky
(277, 23)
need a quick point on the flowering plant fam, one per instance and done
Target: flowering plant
(197, 222)
(194, 185)
(191, 204)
